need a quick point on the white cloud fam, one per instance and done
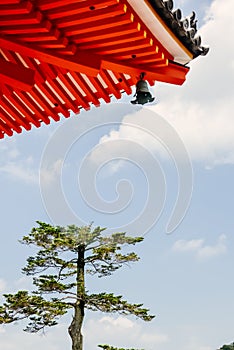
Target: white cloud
(200, 249)
(2, 285)
(122, 142)
(219, 248)
(122, 332)
(202, 109)
(118, 331)
(49, 174)
(55, 339)
(8, 150)
(185, 246)
(15, 165)
(20, 170)
(119, 322)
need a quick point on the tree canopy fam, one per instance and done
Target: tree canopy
(108, 347)
(58, 269)
(227, 347)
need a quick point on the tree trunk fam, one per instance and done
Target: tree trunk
(74, 329)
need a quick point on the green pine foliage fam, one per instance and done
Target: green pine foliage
(108, 347)
(65, 255)
(227, 347)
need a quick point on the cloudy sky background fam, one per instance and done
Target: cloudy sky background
(185, 278)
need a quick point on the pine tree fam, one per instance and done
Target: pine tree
(65, 255)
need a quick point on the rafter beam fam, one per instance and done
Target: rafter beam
(16, 76)
(8, 2)
(82, 62)
(8, 8)
(172, 73)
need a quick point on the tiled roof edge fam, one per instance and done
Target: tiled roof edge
(185, 29)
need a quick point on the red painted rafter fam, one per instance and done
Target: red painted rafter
(82, 61)
(10, 8)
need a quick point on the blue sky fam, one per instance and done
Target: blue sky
(185, 277)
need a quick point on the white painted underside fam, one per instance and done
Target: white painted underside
(167, 39)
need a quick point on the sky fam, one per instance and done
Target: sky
(163, 171)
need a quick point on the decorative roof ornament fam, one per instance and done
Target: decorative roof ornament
(184, 28)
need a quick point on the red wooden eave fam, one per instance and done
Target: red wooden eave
(58, 56)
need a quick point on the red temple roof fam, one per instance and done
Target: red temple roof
(58, 56)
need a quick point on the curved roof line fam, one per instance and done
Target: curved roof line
(177, 34)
